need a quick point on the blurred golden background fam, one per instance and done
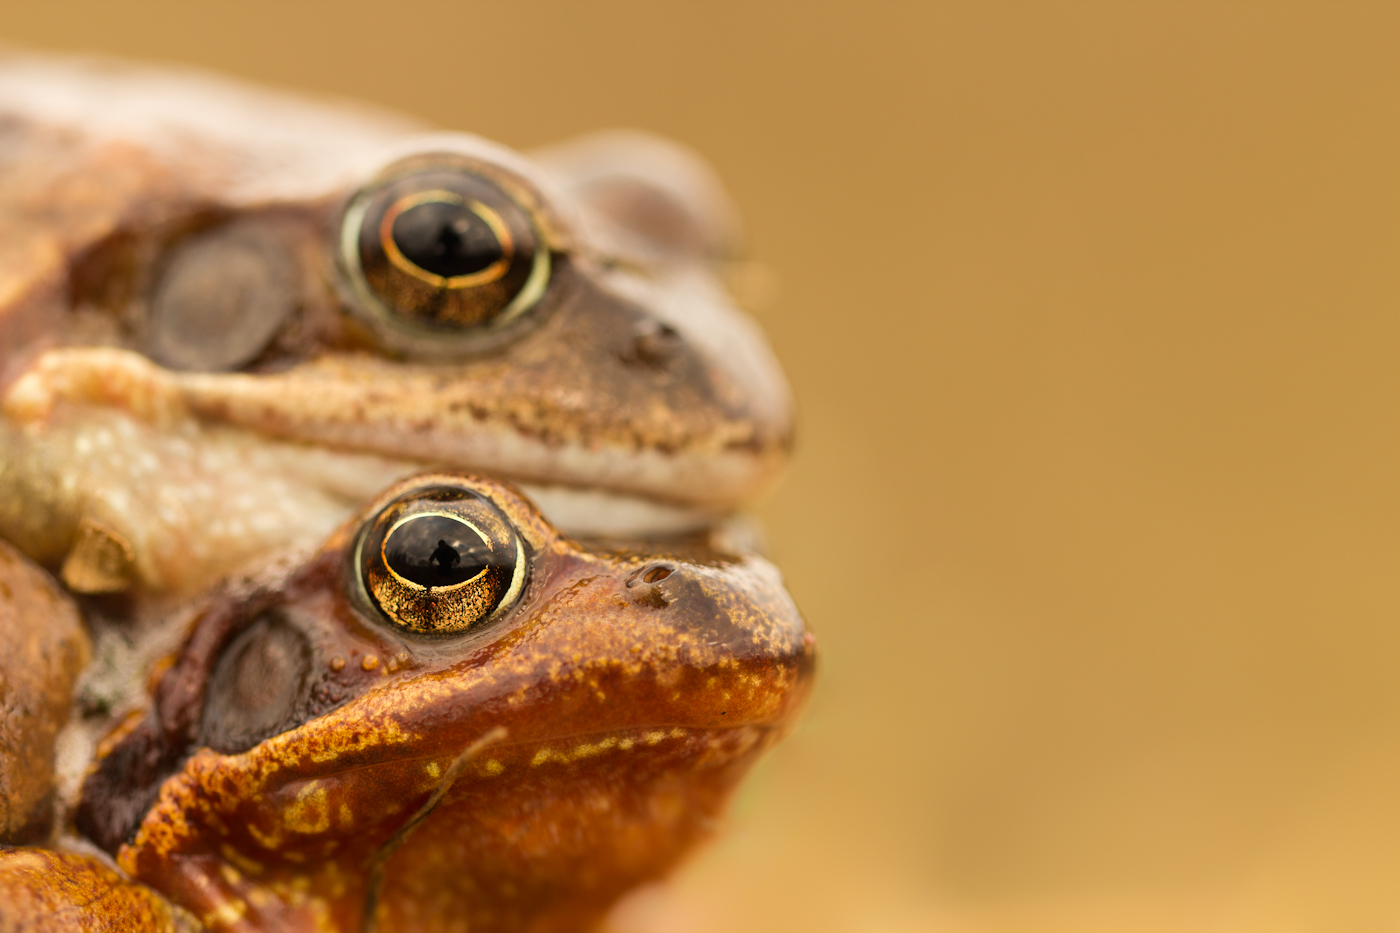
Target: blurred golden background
(1092, 314)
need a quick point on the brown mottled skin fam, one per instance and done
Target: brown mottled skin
(629, 710)
(584, 739)
(45, 647)
(636, 374)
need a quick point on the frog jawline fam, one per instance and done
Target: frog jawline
(243, 493)
(712, 475)
(568, 749)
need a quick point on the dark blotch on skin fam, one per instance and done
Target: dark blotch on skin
(222, 297)
(257, 685)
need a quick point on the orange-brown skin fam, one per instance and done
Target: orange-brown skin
(629, 708)
(64, 892)
(45, 648)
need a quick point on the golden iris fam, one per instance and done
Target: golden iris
(441, 561)
(443, 252)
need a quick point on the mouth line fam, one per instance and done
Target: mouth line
(571, 748)
(563, 748)
(582, 488)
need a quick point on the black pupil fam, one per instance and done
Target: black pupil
(446, 239)
(434, 550)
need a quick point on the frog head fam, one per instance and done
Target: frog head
(449, 714)
(230, 317)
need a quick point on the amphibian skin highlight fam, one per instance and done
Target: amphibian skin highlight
(450, 714)
(228, 318)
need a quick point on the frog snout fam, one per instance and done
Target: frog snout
(719, 614)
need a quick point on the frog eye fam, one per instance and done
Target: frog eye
(444, 253)
(440, 561)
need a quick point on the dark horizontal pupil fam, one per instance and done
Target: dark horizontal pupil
(433, 550)
(445, 239)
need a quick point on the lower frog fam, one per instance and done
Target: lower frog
(449, 717)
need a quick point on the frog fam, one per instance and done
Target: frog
(230, 317)
(449, 716)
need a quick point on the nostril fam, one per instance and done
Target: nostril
(653, 573)
(655, 345)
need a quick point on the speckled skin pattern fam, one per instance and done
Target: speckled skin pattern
(630, 709)
(59, 892)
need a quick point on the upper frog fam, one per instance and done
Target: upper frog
(228, 317)
(449, 717)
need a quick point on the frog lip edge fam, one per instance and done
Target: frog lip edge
(713, 473)
(662, 740)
